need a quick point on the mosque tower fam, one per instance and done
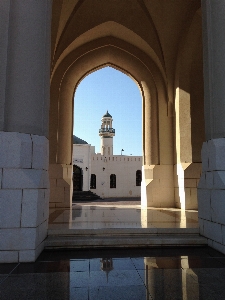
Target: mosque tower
(107, 133)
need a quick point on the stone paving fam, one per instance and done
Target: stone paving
(126, 274)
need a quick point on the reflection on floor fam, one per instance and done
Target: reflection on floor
(120, 214)
(132, 274)
(121, 223)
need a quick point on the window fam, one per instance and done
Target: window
(93, 181)
(112, 181)
(138, 177)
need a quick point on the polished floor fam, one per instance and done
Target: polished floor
(126, 274)
(118, 213)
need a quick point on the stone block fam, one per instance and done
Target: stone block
(62, 205)
(55, 171)
(9, 257)
(27, 256)
(24, 179)
(205, 157)
(61, 183)
(218, 206)
(219, 247)
(201, 226)
(202, 181)
(163, 172)
(191, 198)
(15, 150)
(52, 182)
(18, 238)
(30, 255)
(204, 204)
(176, 194)
(194, 170)
(26, 151)
(42, 232)
(223, 233)
(216, 154)
(190, 182)
(213, 231)
(209, 180)
(163, 197)
(10, 212)
(47, 198)
(210, 243)
(34, 207)
(57, 194)
(40, 155)
(206, 180)
(219, 180)
(1, 170)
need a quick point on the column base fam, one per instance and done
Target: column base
(186, 180)
(157, 188)
(24, 196)
(211, 194)
(61, 185)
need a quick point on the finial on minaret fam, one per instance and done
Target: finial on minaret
(107, 133)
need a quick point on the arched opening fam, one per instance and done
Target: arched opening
(109, 89)
(162, 53)
(138, 177)
(156, 119)
(77, 178)
(108, 138)
(93, 181)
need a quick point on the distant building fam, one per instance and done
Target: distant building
(105, 174)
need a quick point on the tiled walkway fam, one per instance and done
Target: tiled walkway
(120, 214)
(114, 274)
(126, 274)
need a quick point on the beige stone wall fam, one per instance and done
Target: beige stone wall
(124, 167)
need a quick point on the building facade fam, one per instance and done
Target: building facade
(103, 173)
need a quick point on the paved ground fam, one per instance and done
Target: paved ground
(127, 274)
(112, 201)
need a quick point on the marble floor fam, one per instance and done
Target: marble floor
(117, 213)
(126, 274)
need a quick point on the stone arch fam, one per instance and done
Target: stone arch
(131, 61)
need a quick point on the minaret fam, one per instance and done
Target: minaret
(107, 133)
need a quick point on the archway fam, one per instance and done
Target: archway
(77, 178)
(108, 52)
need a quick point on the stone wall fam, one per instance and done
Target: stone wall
(24, 196)
(211, 193)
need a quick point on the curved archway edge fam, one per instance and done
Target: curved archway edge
(75, 67)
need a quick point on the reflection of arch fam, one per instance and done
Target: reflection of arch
(77, 178)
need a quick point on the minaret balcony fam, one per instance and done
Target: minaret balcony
(106, 130)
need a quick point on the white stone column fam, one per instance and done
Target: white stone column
(24, 147)
(211, 189)
(28, 64)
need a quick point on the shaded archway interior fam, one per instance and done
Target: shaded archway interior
(167, 67)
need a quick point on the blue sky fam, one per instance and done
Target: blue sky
(109, 89)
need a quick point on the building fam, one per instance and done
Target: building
(105, 174)
(173, 50)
